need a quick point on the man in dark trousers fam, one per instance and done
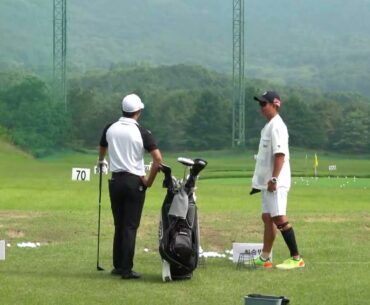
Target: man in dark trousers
(273, 178)
(126, 141)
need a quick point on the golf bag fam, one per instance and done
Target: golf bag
(178, 228)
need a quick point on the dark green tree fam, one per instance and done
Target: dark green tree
(172, 115)
(305, 126)
(354, 131)
(34, 122)
(210, 125)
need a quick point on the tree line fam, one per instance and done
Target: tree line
(186, 108)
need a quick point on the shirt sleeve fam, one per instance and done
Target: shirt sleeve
(103, 139)
(148, 139)
(279, 137)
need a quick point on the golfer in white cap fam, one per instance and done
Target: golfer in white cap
(126, 141)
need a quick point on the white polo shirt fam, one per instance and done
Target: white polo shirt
(274, 140)
(127, 141)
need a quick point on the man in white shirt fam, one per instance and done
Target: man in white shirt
(272, 177)
(126, 141)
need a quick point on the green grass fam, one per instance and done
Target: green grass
(40, 203)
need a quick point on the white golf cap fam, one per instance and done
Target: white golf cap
(132, 103)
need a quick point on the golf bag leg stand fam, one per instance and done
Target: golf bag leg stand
(166, 271)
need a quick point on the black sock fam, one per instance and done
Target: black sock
(290, 241)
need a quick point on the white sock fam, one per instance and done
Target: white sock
(265, 256)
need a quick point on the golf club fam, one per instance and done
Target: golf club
(187, 162)
(98, 250)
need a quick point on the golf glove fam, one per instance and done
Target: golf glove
(103, 164)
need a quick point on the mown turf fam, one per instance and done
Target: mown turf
(40, 203)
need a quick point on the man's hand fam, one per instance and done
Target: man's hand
(144, 180)
(271, 186)
(156, 162)
(103, 165)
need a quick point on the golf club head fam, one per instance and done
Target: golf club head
(199, 165)
(167, 182)
(99, 268)
(185, 161)
(165, 169)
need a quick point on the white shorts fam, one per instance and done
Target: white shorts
(275, 203)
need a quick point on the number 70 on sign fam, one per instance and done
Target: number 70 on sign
(80, 174)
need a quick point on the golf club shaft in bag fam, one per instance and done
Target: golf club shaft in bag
(99, 212)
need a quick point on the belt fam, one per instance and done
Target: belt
(119, 174)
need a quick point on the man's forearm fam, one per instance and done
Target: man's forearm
(102, 153)
(157, 159)
(278, 164)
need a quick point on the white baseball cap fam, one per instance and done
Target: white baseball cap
(132, 103)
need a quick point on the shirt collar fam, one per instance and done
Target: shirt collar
(127, 120)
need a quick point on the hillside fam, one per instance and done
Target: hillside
(318, 43)
(186, 107)
(9, 153)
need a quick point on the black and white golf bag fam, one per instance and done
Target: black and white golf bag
(178, 228)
